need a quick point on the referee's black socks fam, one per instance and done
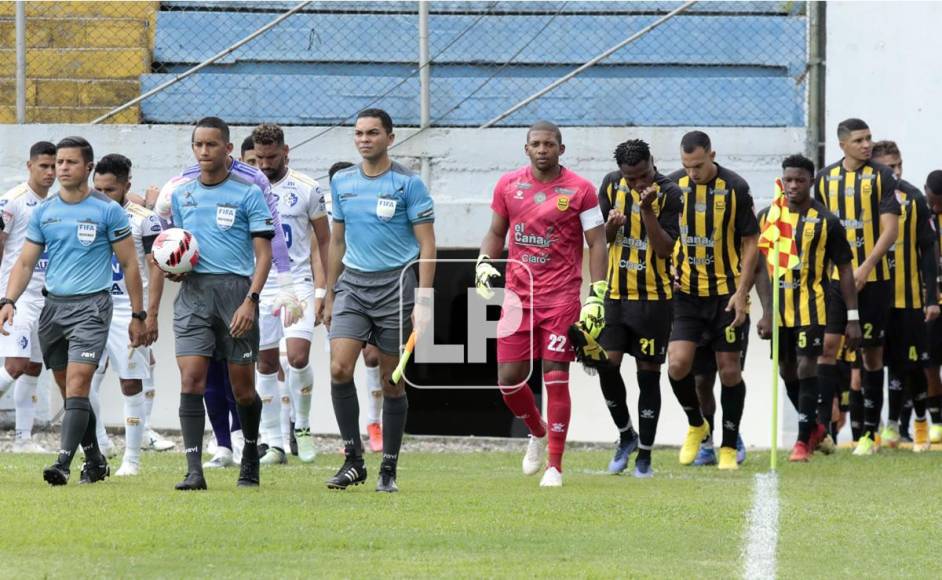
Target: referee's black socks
(74, 426)
(192, 425)
(347, 411)
(251, 417)
(395, 411)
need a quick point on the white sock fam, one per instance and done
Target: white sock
(24, 397)
(271, 409)
(94, 397)
(6, 381)
(133, 427)
(374, 388)
(285, 397)
(149, 393)
(301, 384)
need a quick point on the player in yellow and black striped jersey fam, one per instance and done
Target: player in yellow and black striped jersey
(641, 209)
(715, 259)
(933, 191)
(913, 261)
(822, 246)
(862, 194)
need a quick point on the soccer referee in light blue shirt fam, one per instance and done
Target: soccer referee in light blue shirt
(79, 228)
(383, 220)
(216, 311)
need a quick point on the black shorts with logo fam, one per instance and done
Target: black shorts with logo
(704, 320)
(907, 342)
(639, 327)
(704, 359)
(805, 341)
(874, 302)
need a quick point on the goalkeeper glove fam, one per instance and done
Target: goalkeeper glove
(592, 316)
(483, 272)
(286, 305)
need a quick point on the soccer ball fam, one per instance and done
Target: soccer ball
(176, 251)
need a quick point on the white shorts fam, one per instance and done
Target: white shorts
(270, 326)
(127, 363)
(23, 340)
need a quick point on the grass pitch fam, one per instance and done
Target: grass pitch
(473, 515)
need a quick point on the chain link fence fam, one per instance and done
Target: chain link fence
(715, 64)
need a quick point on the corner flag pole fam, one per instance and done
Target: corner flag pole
(776, 275)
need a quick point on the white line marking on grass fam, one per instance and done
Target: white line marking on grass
(762, 531)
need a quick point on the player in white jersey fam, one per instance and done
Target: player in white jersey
(112, 177)
(20, 349)
(304, 220)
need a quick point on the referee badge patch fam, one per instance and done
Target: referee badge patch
(86, 232)
(385, 208)
(225, 217)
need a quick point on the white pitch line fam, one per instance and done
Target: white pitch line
(762, 529)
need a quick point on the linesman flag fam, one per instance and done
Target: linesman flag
(778, 232)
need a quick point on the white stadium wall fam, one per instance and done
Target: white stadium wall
(465, 164)
(883, 67)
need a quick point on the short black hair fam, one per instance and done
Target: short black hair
(214, 123)
(114, 164)
(88, 155)
(247, 143)
(885, 147)
(42, 148)
(800, 161)
(380, 114)
(632, 152)
(934, 182)
(543, 125)
(339, 166)
(847, 126)
(695, 139)
(268, 134)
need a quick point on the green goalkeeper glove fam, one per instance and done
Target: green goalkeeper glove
(592, 315)
(483, 272)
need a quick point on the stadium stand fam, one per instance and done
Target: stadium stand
(114, 40)
(723, 63)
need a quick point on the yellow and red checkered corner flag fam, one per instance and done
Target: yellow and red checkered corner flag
(778, 231)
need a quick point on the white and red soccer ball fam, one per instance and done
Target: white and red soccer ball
(176, 251)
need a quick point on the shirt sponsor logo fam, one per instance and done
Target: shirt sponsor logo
(700, 207)
(853, 224)
(539, 197)
(564, 191)
(850, 192)
(562, 203)
(635, 243)
(631, 266)
(534, 240)
(699, 241)
(524, 185)
(720, 192)
(86, 232)
(225, 217)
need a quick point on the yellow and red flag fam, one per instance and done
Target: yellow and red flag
(778, 231)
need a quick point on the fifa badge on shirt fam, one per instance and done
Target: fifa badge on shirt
(225, 216)
(86, 231)
(562, 203)
(385, 208)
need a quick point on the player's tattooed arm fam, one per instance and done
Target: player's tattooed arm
(849, 292)
(889, 229)
(739, 301)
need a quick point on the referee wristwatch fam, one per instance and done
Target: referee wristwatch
(142, 315)
(254, 297)
(4, 301)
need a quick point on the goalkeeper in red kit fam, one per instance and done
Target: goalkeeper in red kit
(548, 211)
